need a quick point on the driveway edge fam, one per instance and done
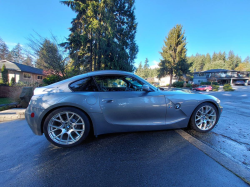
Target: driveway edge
(226, 162)
(12, 114)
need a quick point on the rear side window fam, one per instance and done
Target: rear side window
(84, 85)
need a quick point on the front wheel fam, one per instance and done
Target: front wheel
(66, 127)
(204, 117)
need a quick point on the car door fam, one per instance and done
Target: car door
(125, 103)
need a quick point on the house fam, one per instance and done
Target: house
(164, 81)
(22, 73)
(222, 76)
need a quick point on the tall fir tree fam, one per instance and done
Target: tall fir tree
(28, 61)
(173, 52)
(17, 54)
(247, 59)
(103, 34)
(207, 62)
(4, 50)
(139, 71)
(214, 57)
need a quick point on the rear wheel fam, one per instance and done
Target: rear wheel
(204, 117)
(66, 127)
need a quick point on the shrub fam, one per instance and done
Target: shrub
(228, 87)
(209, 83)
(189, 86)
(15, 93)
(195, 85)
(4, 72)
(215, 87)
(52, 79)
(12, 81)
(178, 84)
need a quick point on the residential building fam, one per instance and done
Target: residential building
(222, 76)
(164, 81)
(22, 73)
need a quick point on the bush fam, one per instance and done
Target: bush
(51, 79)
(195, 85)
(228, 87)
(209, 83)
(4, 72)
(12, 81)
(215, 87)
(15, 93)
(178, 84)
(189, 86)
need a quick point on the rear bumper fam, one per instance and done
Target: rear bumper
(34, 121)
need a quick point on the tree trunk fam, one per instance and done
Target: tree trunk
(91, 55)
(171, 77)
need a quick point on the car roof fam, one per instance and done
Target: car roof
(108, 72)
(64, 83)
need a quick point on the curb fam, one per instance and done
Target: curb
(226, 162)
(12, 115)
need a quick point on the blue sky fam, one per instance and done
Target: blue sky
(214, 25)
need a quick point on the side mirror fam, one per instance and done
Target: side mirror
(145, 88)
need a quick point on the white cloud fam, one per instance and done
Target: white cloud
(11, 44)
(155, 65)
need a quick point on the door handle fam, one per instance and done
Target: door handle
(107, 100)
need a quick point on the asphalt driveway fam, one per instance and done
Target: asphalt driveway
(231, 134)
(160, 158)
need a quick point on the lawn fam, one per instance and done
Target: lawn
(5, 101)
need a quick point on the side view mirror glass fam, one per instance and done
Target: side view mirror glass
(145, 88)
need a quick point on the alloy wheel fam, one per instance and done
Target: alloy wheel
(66, 128)
(205, 117)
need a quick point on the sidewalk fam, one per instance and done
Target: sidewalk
(12, 114)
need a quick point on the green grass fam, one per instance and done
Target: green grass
(5, 101)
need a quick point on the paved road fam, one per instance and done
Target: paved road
(231, 135)
(160, 158)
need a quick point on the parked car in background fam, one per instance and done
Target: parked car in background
(239, 83)
(204, 88)
(67, 111)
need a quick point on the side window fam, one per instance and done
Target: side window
(118, 83)
(84, 85)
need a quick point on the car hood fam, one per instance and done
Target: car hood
(189, 95)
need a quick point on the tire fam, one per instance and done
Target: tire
(207, 90)
(204, 123)
(66, 127)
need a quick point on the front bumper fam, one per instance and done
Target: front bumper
(34, 122)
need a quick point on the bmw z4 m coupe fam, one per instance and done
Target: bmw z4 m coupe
(111, 101)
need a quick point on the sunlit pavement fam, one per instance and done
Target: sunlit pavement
(161, 158)
(232, 134)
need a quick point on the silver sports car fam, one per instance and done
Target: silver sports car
(112, 101)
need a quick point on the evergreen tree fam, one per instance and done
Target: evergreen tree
(207, 62)
(28, 61)
(214, 57)
(4, 50)
(173, 52)
(146, 69)
(50, 58)
(103, 34)
(139, 71)
(4, 74)
(247, 59)
(231, 63)
(17, 54)
(237, 61)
